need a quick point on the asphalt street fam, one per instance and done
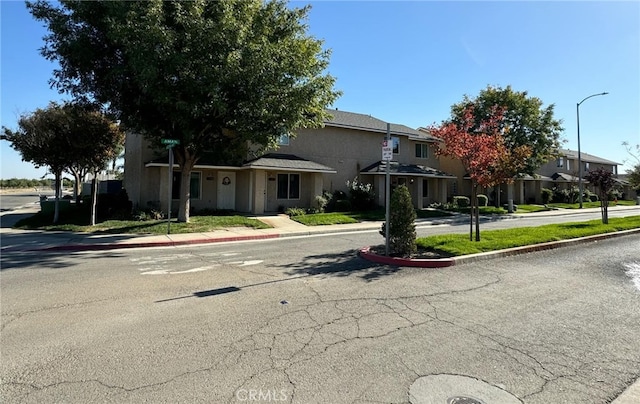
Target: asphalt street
(304, 320)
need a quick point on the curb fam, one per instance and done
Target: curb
(365, 252)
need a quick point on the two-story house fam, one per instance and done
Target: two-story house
(561, 173)
(314, 160)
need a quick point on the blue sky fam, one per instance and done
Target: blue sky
(408, 62)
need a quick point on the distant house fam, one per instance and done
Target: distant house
(314, 160)
(560, 173)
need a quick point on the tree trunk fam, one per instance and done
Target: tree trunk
(56, 203)
(186, 161)
(605, 209)
(471, 213)
(477, 210)
(94, 198)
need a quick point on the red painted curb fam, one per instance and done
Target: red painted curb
(102, 247)
(365, 252)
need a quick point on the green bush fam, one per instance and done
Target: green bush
(342, 205)
(319, 203)
(547, 195)
(295, 211)
(402, 228)
(461, 201)
(483, 200)
(361, 195)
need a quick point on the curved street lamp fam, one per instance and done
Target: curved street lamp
(580, 186)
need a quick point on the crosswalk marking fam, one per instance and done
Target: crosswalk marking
(167, 265)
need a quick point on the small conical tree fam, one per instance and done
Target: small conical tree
(402, 228)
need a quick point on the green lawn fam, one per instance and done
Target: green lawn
(589, 204)
(532, 208)
(319, 219)
(72, 221)
(491, 240)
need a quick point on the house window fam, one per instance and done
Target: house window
(396, 145)
(560, 161)
(568, 166)
(586, 166)
(288, 186)
(425, 188)
(422, 150)
(283, 140)
(195, 185)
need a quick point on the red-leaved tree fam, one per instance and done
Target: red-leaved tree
(482, 151)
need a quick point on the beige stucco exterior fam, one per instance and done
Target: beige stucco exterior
(344, 152)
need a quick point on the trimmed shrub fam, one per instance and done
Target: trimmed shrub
(319, 203)
(547, 195)
(361, 195)
(483, 200)
(402, 228)
(461, 201)
(295, 211)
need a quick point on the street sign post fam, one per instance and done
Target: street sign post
(387, 150)
(387, 155)
(170, 143)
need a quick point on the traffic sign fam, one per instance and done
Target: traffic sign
(387, 150)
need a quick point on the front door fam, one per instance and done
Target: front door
(227, 190)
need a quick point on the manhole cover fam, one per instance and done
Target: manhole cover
(457, 389)
(463, 400)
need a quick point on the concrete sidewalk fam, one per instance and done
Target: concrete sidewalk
(281, 226)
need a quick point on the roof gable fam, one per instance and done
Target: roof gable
(572, 154)
(352, 120)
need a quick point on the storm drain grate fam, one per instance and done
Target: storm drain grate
(463, 400)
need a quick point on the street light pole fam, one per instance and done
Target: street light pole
(580, 186)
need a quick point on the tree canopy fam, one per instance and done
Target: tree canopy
(65, 136)
(604, 182)
(215, 75)
(526, 121)
(480, 147)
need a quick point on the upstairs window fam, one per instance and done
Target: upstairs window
(560, 161)
(422, 151)
(396, 145)
(283, 140)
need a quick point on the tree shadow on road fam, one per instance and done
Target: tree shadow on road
(346, 263)
(17, 260)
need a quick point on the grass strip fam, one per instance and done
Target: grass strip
(491, 240)
(197, 224)
(320, 219)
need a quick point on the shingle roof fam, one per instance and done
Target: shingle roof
(380, 167)
(573, 154)
(277, 161)
(352, 120)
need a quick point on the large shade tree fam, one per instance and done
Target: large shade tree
(215, 75)
(528, 121)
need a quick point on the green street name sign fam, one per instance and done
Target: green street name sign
(171, 142)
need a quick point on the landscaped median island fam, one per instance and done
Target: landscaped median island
(441, 250)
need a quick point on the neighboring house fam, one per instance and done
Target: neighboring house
(561, 173)
(315, 160)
